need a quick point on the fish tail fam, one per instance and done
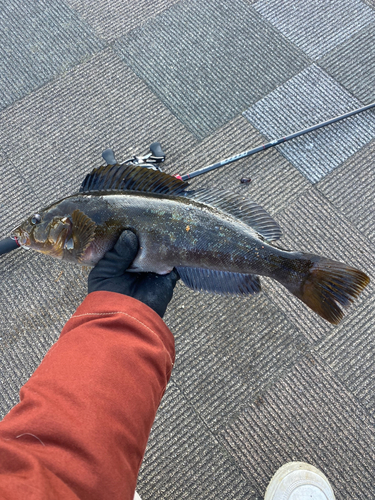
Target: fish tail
(327, 285)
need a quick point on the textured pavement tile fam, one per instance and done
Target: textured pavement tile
(351, 188)
(55, 136)
(184, 461)
(16, 197)
(39, 40)
(244, 367)
(275, 183)
(316, 26)
(307, 416)
(38, 294)
(209, 61)
(228, 350)
(350, 351)
(312, 224)
(352, 64)
(113, 19)
(230, 139)
(309, 98)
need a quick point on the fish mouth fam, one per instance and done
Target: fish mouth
(21, 237)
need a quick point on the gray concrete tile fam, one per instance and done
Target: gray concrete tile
(184, 460)
(239, 369)
(351, 188)
(309, 98)
(39, 40)
(275, 183)
(112, 20)
(352, 64)
(228, 350)
(312, 224)
(308, 416)
(209, 61)
(350, 352)
(16, 197)
(78, 116)
(318, 26)
(38, 294)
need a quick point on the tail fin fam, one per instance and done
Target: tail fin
(328, 285)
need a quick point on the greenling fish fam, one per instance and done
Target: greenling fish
(218, 241)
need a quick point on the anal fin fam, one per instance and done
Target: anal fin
(221, 282)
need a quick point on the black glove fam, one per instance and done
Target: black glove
(109, 275)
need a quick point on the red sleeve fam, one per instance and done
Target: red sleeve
(81, 428)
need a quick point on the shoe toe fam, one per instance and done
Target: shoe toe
(299, 481)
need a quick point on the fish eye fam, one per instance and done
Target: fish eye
(35, 219)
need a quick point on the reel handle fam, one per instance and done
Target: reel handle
(109, 157)
(157, 153)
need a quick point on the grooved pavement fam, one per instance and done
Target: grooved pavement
(258, 381)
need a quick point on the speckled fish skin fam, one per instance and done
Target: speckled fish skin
(202, 234)
(171, 231)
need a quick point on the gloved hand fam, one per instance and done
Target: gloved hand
(109, 275)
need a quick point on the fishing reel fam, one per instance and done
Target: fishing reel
(151, 160)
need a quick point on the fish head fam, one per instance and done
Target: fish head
(61, 230)
(46, 232)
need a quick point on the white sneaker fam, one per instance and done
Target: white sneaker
(299, 481)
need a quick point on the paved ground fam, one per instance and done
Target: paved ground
(258, 381)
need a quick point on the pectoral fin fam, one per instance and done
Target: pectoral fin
(83, 232)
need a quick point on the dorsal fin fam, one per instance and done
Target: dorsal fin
(132, 178)
(240, 207)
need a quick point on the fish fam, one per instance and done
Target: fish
(217, 241)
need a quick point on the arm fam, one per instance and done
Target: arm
(81, 428)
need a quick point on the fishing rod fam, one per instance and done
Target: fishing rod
(272, 144)
(157, 156)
